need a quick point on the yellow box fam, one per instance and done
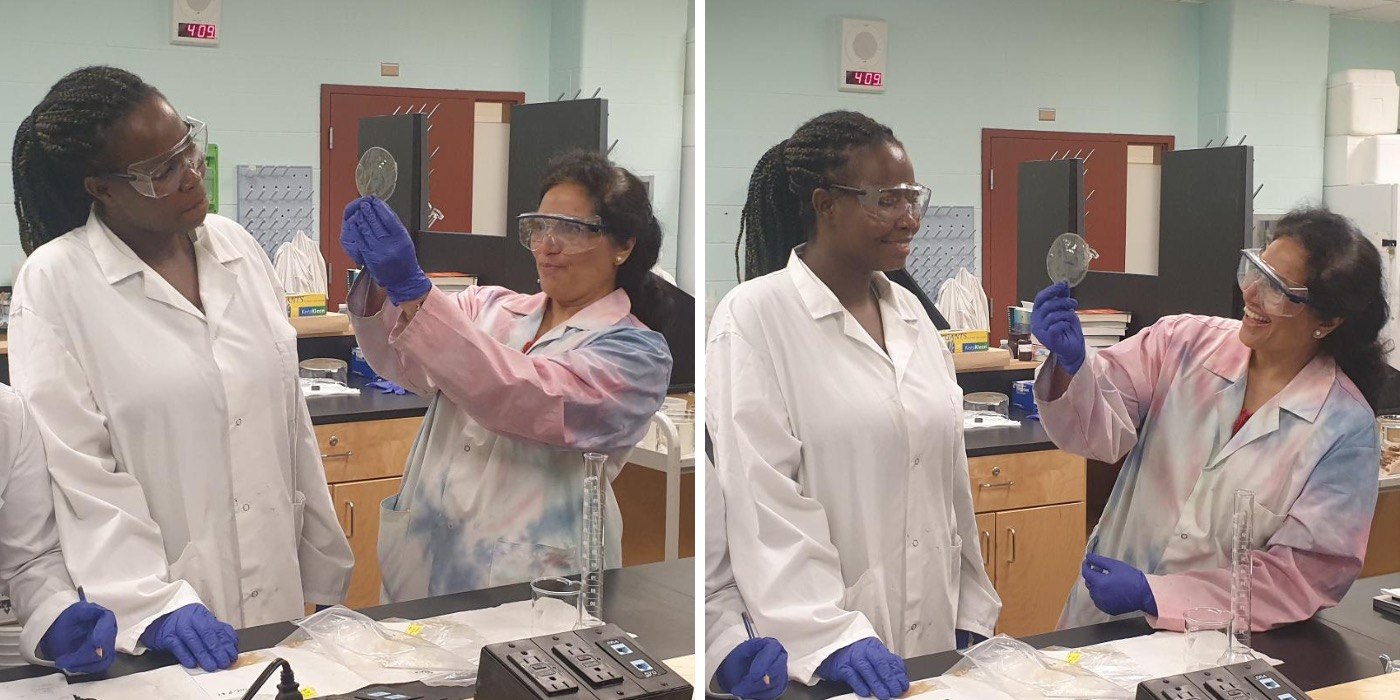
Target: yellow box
(306, 305)
(965, 341)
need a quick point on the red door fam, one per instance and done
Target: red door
(1105, 207)
(451, 133)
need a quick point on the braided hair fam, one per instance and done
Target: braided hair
(778, 214)
(1344, 281)
(61, 142)
(621, 200)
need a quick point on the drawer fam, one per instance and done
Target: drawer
(1026, 480)
(366, 450)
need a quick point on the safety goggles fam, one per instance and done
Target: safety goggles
(890, 203)
(566, 233)
(1275, 295)
(162, 175)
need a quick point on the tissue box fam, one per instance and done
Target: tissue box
(306, 305)
(1022, 395)
(965, 341)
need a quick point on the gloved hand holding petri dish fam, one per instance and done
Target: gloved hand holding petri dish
(377, 174)
(1068, 259)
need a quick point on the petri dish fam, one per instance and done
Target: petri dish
(1069, 258)
(377, 174)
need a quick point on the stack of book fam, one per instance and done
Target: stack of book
(1102, 327)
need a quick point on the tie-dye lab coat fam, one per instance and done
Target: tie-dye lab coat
(492, 491)
(1168, 398)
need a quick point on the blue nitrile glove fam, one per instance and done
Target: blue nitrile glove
(387, 250)
(195, 637)
(1056, 326)
(869, 668)
(964, 638)
(741, 673)
(1116, 587)
(386, 387)
(350, 239)
(83, 639)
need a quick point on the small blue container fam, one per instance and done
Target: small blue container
(358, 365)
(1022, 395)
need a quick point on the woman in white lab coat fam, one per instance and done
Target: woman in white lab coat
(58, 628)
(522, 385)
(152, 343)
(837, 420)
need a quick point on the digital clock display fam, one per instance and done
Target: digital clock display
(865, 78)
(194, 30)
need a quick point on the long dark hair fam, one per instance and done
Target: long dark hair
(620, 198)
(1344, 281)
(778, 214)
(61, 142)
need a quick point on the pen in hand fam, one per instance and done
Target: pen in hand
(82, 597)
(748, 626)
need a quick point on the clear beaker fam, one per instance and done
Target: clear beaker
(554, 605)
(1207, 637)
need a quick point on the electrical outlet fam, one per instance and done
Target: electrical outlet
(597, 671)
(549, 677)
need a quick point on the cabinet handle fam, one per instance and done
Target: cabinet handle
(334, 441)
(986, 547)
(1002, 485)
(1012, 532)
(338, 455)
(351, 506)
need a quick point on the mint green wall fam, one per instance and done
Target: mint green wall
(1357, 44)
(259, 90)
(1195, 71)
(955, 67)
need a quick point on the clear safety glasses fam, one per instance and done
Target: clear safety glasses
(162, 175)
(890, 203)
(1275, 295)
(571, 236)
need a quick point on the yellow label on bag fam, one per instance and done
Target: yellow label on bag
(1074, 657)
(308, 692)
(415, 629)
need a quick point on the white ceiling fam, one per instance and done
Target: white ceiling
(1373, 10)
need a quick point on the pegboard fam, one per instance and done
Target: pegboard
(276, 201)
(946, 241)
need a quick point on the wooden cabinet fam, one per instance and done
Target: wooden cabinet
(364, 465)
(1038, 555)
(986, 525)
(1031, 530)
(1383, 549)
(373, 449)
(357, 505)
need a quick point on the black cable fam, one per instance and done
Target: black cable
(287, 689)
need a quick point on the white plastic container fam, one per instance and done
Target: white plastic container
(1362, 103)
(1362, 160)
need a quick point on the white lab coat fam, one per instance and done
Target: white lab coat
(31, 563)
(724, 607)
(845, 479)
(184, 464)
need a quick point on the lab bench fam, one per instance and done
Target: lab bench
(1337, 646)
(365, 441)
(655, 602)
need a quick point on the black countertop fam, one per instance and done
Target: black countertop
(369, 405)
(1029, 437)
(1338, 646)
(655, 602)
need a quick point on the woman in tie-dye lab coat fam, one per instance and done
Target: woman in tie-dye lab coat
(522, 385)
(1278, 403)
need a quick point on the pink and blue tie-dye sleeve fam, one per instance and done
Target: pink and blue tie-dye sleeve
(598, 396)
(1312, 559)
(373, 321)
(1098, 414)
